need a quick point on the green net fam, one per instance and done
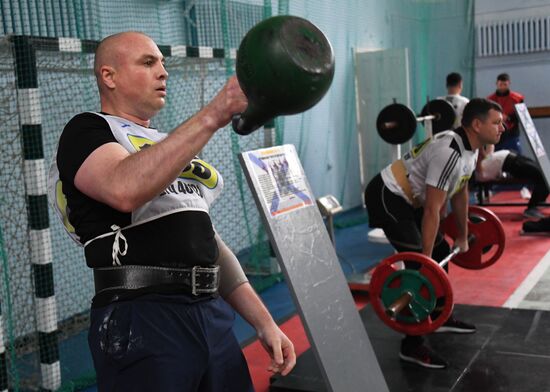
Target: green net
(46, 287)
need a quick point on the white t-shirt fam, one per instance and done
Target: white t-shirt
(458, 102)
(491, 166)
(445, 161)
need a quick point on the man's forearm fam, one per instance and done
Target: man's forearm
(459, 205)
(231, 272)
(430, 225)
(248, 304)
(127, 181)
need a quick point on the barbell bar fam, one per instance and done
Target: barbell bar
(396, 123)
(405, 299)
(399, 304)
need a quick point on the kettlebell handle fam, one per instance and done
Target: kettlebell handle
(250, 120)
(242, 126)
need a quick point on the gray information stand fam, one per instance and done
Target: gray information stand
(308, 260)
(527, 125)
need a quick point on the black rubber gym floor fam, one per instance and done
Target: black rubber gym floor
(510, 352)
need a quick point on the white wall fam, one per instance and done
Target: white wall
(529, 72)
(488, 10)
(530, 75)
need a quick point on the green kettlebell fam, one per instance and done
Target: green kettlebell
(285, 65)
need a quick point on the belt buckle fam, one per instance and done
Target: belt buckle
(204, 270)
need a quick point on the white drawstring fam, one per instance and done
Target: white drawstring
(116, 245)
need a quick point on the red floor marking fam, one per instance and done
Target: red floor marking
(494, 285)
(489, 287)
(258, 360)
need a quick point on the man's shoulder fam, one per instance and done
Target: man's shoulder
(84, 117)
(448, 134)
(518, 97)
(448, 142)
(85, 126)
(453, 98)
(85, 120)
(440, 143)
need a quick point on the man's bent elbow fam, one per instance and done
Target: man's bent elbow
(123, 202)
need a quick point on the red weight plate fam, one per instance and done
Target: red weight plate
(432, 272)
(489, 242)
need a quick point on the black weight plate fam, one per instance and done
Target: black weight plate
(444, 113)
(396, 123)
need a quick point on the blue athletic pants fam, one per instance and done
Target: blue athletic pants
(165, 343)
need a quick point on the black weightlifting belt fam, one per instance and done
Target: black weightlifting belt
(197, 280)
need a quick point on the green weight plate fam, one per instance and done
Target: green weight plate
(427, 284)
(423, 294)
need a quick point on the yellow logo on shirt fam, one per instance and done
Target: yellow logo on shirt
(201, 171)
(61, 202)
(416, 150)
(461, 183)
(197, 169)
(139, 142)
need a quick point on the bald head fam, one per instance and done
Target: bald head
(112, 50)
(131, 77)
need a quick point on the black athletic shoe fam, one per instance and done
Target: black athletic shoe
(533, 213)
(422, 356)
(539, 226)
(456, 326)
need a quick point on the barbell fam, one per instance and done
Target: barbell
(405, 299)
(396, 123)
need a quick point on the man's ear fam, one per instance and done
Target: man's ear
(108, 76)
(476, 124)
